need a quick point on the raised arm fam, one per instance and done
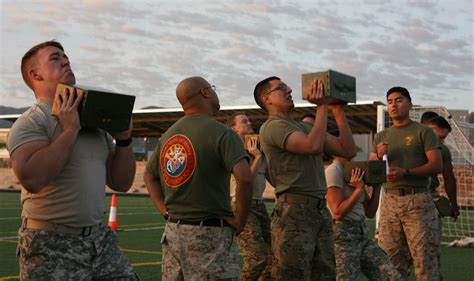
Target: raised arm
(344, 145)
(335, 196)
(121, 164)
(37, 163)
(253, 150)
(312, 143)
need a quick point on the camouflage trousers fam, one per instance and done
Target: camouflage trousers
(47, 255)
(199, 253)
(435, 195)
(255, 244)
(302, 242)
(356, 253)
(438, 246)
(408, 233)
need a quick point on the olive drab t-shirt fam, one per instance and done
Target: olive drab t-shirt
(407, 147)
(446, 155)
(76, 197)
(291, 172)
(194, 160)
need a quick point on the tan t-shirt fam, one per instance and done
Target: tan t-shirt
(259, 183)
(76, 197)
(335, 178)
(291, 172)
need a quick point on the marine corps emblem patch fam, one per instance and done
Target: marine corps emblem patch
(409, 140)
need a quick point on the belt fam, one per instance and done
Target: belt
(256, 202)
(407, 191)
(302, 199)
(61, 228)
(350, 222)
(208, 222)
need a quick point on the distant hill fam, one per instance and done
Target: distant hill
(9, 110)
(12, 110)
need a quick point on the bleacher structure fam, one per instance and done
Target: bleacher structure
(463, 164)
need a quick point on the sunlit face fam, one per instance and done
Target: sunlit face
(242, 125)
(441, 133)
(53, 66)
(398, 106)
(279, 95)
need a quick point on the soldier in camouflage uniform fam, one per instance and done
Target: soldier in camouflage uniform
(349, 204)
(63, 170)
(188, 178)
(442, 128)
(302, 239)
(255, 240)
(408, 218)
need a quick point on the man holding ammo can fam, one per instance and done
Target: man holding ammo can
(63, 171)
(302, 238)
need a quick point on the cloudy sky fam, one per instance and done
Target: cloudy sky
(145, 48)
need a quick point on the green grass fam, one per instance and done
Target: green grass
(140, 239)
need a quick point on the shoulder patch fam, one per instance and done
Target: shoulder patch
(177, 160)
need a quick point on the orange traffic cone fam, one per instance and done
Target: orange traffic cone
(113, 220)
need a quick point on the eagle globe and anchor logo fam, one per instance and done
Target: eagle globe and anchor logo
(177, 160)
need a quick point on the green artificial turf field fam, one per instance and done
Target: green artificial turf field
(141, 228)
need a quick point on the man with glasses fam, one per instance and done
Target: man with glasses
(188, 179)
(302, 241)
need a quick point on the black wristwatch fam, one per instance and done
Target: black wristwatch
(123, 143)
(407, 172)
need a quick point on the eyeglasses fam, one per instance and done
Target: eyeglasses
(213, 87)
(282, 87)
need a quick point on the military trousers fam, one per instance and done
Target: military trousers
(408, 234)
(48, 255)
(255, 244)
(193, 252)
(302, 242)
(356, 254)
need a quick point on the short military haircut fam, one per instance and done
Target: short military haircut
(27, 57)
(400, 90)
(261, 88)
(427, 116)
(440, 122)
(231, 119)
